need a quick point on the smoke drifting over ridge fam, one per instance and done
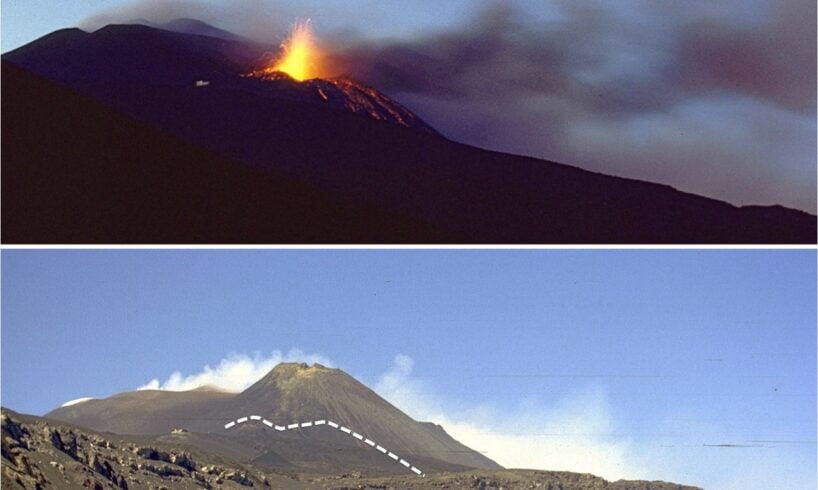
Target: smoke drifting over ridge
(713, 99)
(235, 373)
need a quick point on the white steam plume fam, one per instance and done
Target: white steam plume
(234, 373)
(562, 437)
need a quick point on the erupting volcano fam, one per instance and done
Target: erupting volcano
(317, 155)
(299, 74)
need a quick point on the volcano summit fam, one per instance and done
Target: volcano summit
(184, 133)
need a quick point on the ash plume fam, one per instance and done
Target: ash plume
(693, 96)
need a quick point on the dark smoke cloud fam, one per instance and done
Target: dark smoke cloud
(717, 98)
(714, 101)
(774, 62)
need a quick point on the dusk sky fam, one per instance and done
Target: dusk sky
(626, 364)
(716, 98)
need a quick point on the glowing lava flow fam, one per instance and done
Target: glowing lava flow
(300, 53)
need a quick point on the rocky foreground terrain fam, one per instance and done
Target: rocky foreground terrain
(39, 453)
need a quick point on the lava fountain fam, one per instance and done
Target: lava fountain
(300, 54)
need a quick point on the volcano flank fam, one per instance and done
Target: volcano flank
(184, 133)
(290, 393)
(342, 93)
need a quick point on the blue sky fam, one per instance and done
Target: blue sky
(714, 98)
(642, 357)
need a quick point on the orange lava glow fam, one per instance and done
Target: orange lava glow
(300, 53)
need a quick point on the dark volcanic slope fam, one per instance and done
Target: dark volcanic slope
(415, 187)
(290, 393)
(185, 52)
(76, 171)
(135, 53)
(47, 454)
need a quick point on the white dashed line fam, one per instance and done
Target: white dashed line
(332, 424)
